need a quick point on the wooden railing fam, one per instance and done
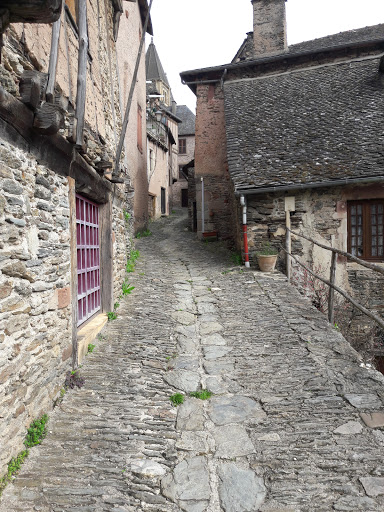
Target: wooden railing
(332, 275)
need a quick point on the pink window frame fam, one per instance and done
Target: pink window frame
(88, 259)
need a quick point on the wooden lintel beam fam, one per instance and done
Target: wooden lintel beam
(49, 119)
(32, 87)
(36, 11)
(82, 73)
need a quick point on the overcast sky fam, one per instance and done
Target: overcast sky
(192, 34)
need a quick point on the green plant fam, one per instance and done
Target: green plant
(177, 399)
(236, 258)
(127, 288)
(267, 250)
(14, 466)
(133, 255)
(91, 348)
(116, 305)
(36, 432)
(143, 234)
(127, 215)
(204, 394)
(112, 315)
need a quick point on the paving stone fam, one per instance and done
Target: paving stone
(183, 317)
(352, 427)
(373, 419)
(240, 490)
(215, 352)
(271, 437)
(232, 441)
(186, 362)
(213, 339)
(368, 401)
(210, 328)
(147, 468)
(190, 415)
(183, 380)
(200, 442)
(373, 486)
(219, 367)
(189, 481)
(235, 409)
(354, 504)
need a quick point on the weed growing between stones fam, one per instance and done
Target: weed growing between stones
(112, 315)
(204, 394)
(35, 434)
(91, 348)
(74, 380)
(236, 258)
(13, 467)
(127, 215)
(177, 399)
(60, 398)
(142, 234)
(126, 287)
(133, 256)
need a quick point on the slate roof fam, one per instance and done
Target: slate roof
(371, 33)
(188, 119)
(311, 126)
(153, 67)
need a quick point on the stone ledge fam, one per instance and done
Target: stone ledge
(88, 333)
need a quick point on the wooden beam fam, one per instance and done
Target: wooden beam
(49, 119)
(81, 73)
(106, 250)
(32, 87)
(36, 11)
(73, 244)
(50, 93)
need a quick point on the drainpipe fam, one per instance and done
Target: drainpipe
(202, 206)
(245, 234)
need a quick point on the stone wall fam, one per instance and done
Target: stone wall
(35, 326)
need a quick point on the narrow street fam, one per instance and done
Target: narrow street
(294, 423)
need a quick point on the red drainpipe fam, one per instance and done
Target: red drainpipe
(245, 233)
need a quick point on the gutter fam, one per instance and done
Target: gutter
(303, 186)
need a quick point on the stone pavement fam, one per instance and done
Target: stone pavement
(295, 423)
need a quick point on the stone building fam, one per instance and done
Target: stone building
(298, 128)
(186, 154)
(162, 136)
(64, 234)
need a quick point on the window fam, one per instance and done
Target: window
(181, 174)
(182, 146)
(139, 128)
(365, 229)
(88, 259)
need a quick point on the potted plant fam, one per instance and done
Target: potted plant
(266, 257)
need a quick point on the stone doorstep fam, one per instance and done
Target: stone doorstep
(88, 333)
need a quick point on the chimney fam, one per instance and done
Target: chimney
(269, 27)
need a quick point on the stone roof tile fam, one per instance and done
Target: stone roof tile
(310, 126)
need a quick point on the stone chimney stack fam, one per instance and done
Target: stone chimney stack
(269, 27)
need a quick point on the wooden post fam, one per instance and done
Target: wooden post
(50, 93)
(72, 223)
(288, 244)
(81, 72)
(331, 296)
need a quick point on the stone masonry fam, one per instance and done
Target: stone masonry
(294, 425)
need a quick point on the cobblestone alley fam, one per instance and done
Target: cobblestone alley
(294, 424)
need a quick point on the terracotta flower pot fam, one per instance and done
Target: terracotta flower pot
(267, 263)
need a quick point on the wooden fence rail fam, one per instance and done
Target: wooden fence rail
(331, 282)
